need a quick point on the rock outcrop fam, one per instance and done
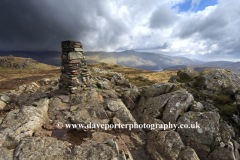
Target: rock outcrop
(219, 81)
(32, 114)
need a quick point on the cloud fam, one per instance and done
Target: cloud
(42, 25)
(194, 4)
(216, 26)
(110, 25)
(163, 17)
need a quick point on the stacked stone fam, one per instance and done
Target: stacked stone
(75, 75)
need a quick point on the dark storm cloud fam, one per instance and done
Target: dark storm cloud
(110, 25)
(163, 17)
(43, 24)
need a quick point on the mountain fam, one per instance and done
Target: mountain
(224, 64)
(140, 60)
(47, 57)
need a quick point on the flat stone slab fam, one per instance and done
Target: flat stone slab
(75, 55)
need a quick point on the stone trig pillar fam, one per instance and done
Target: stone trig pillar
(75, 75)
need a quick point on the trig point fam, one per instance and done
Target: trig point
(75, 75)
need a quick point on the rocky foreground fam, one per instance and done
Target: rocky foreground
(31, 113)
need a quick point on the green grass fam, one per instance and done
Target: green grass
(227, 110)
(222, 99)
(140, 82)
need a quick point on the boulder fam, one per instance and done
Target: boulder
(115, 105)
(159, 89)
(64, 98)
(188, 154)
(22, 88)
(186, 74)
(42, 148)
(204, 128)
(122, 114)
(164, 145)
(123, 144)
(6, 154)
(107, 150)
(236, 119)
(32, 87)
(128, 102)
(196, 107)
(24, 122)
(166, 107)
(125, 116)
(179, 103)
(57, 104)
(108, 94)
(222, 153)
(152, 108)
(89, 112)
(2, 105)
(5, 98)
(219, 81)
(173, 79)
(103, 85)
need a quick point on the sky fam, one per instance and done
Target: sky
(207, 30)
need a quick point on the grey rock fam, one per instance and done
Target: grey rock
(128, 102)
(221, 153)
(2, 105)
(159, 89)
(220, 81)
(107, 150)
(236, 119)
(6, 154)
(1, 119)
(236, 149)
(149, 109)
(164, 145)
(22, 88)
(173, 79)
(226, 132)
(64, 98)
(5, 98)
(200, 139)
(56, 104)
(108, 94)
(104, 85)
(121, 143)
(24, 122)
(32, 87)
(75, 55)
(196, 107)
(115, 105)
(188, 154)
(187, 74)
(177, 104)
(125, 116)
(89, 112)
(209, 107)
(42, 148)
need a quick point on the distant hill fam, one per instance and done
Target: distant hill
(140, 60)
